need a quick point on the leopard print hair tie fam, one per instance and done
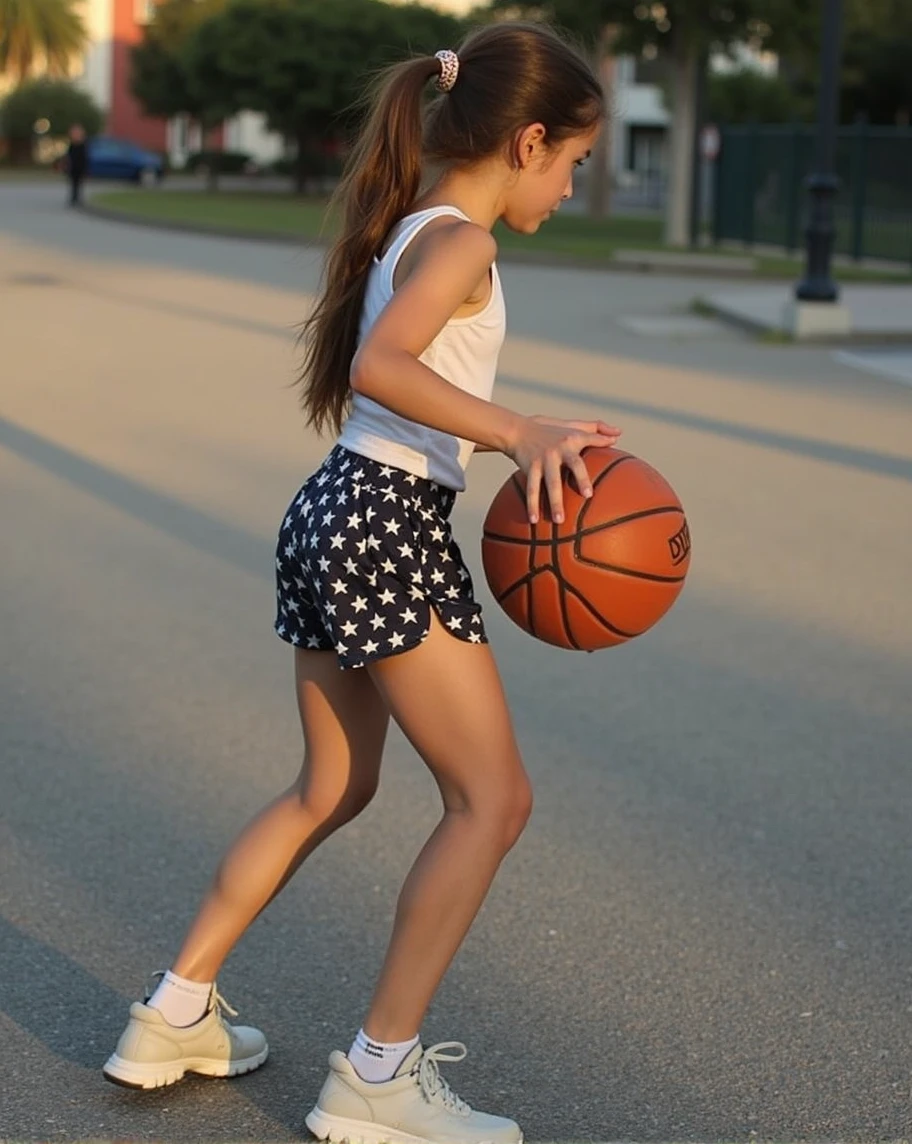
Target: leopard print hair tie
(449, 69)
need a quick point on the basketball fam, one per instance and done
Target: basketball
(606, 574)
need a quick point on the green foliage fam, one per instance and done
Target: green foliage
(749, 96)
(56, 100)
(876, 75)
(881, 87)
(877, 67)
(221, 162)
(303, 63)
(33, 32)
(159, 77)
(694, 24)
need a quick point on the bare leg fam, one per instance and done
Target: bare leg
(344, 721)
(447, 697)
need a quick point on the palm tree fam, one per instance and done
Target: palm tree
(39, 31)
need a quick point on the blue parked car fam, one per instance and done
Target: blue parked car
(119, 159)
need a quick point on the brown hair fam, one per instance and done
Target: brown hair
(510, 75)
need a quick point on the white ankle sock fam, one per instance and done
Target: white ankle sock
(180, 1001)
(375, 1061)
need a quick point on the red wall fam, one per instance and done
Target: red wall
(126, 119)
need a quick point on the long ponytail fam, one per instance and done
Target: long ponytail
(381, 181)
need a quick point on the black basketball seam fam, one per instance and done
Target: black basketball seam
(594, 528)
(598, 615)
(598, 480)
(526, 580)
(561, 589)
(530, 612)
(520, 492)
(522, 582)
(628, 571)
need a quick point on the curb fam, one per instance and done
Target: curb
(777, 334)
(646, 265)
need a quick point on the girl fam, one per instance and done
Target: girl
(372, 589)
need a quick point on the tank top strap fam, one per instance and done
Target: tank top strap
(409, 227)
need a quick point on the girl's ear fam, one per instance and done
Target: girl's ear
(530, 143)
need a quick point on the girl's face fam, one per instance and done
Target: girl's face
(545, 177)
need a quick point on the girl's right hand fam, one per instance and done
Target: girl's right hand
(545, 446)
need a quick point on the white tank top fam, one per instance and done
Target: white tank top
(464, 352)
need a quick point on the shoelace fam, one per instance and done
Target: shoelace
(216, 999)
(433, 1086)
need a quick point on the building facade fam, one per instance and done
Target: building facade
(115, 27)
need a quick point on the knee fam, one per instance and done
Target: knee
(507, 811)
(517, 813)
(332, 805)
(356, 799)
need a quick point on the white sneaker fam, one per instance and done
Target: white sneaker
(416, 1107)
(151, 1053)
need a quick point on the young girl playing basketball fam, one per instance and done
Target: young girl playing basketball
(372, 589)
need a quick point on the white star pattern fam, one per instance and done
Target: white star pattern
(364, 581)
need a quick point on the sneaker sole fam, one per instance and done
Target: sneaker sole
(136, 1074)
(340, 1130)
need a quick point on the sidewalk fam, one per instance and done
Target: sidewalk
(876, 313)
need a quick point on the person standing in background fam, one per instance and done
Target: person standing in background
(77, 162)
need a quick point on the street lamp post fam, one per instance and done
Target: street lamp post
(817, 284)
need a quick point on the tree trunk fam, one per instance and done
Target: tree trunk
(598, 182)
(21, 152)
(207, 144)
(684, 68)
(301, 161)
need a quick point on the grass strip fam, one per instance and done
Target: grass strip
(576, 238)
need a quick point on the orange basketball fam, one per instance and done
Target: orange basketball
(610, 571)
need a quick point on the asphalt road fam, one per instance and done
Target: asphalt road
(705, 934)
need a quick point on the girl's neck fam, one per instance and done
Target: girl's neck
(478, 193)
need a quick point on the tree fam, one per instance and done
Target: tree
(683, 31)
(39, 32)
(876, 78)
(879, 81)
(748, 95)
(61, 103)
(159, 78)
(303, 63)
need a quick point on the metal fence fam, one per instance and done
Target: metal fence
(759, 196)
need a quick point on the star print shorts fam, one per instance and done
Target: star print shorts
(365, 552)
